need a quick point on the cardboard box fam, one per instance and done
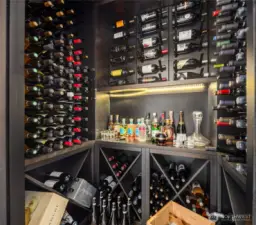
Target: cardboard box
(48, 208)
(187, 216)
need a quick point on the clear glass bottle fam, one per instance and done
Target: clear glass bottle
(148, 127)
(117, 126)
(110, 123)
(142, 131)
(137, 131)
(130, 130)
(154, 128)
(198, 138)
(123, 129)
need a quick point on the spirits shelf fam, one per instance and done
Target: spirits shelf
(165, 150)
(236, 196)
(42, 160)
(229, 168)
(42, 186)
(206, 80)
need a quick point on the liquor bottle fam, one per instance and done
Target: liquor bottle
(170, 129)
(123, 129)
(122, 48)
(121, 72)
(185, 19)
(154, 128)
(184, 48)
(181, 135)
(121, 59)
(56, 185)
(123, 23)
(103, 219)
(151, 42)
(150, 69)
(148, 127)
(123, 34)
(116, 126)
(110, 122)
(61, 176)
(130, 130)
(172, 171)
(197, 190)
(188, 35)
(186, 64)
(137, 131)
(125, 218)
(182, 172)
(152, 54)
(113, 220)
(184, 6)
(142, 131)
(152, 27)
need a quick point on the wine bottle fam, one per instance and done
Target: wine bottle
(187, 75)
(129, 216)
(57, 185)
(31, 135)
(125, 219)
(231, 150)
(224, 2)
(152, 27)
(32, 91)
(186, 64)
(188, 35)
(234, 92)
(150, 69)
(31, 152)
(151, 79)
(184, 48)
(121, 59)
(172, 171)
(94, 213)
(32, 120)
(122, 48)
(152, 42)
(184, 6)
(185, 19)
(231, 27)
(153, 15)
(152, 54)
(113, 220)
(68, 141)
(123, 34)
(121, 72)
(61, 176)
(235, 159)
(182, 172)
(239, 53)
(32, 105)
(181, 136)
(123, 23)
(103, 219)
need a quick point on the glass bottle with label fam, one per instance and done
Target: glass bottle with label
(148, 127)
(154, 128)
(142, 131)
(170, 129)
(130, 130)
(123, 130)
(137, 131)
(116, 126)
(110, 123)
(181, 131)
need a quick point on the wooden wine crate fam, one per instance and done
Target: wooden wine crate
(187, 216)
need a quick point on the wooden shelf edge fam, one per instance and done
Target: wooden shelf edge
(42, 160)
(205, 80)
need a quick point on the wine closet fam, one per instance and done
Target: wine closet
(87, 60)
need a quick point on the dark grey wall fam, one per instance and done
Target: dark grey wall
(187, 102)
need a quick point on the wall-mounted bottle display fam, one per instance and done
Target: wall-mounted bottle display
(56, 91)
(230, 41)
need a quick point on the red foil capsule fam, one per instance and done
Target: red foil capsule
(77, 130)
(78, 52)
(69, 58)
(223, 92)
(77, 85)
(77, 41)
(164, 51)
(78, 63)
(77, 109)
(220, 123)
(77, 118)
(77, 97)
(78, 75)
(216, 13)
(77, 141)
(68, 143)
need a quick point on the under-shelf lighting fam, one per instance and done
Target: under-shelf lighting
(189, 88)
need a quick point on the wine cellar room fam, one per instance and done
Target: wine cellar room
(135, 112)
